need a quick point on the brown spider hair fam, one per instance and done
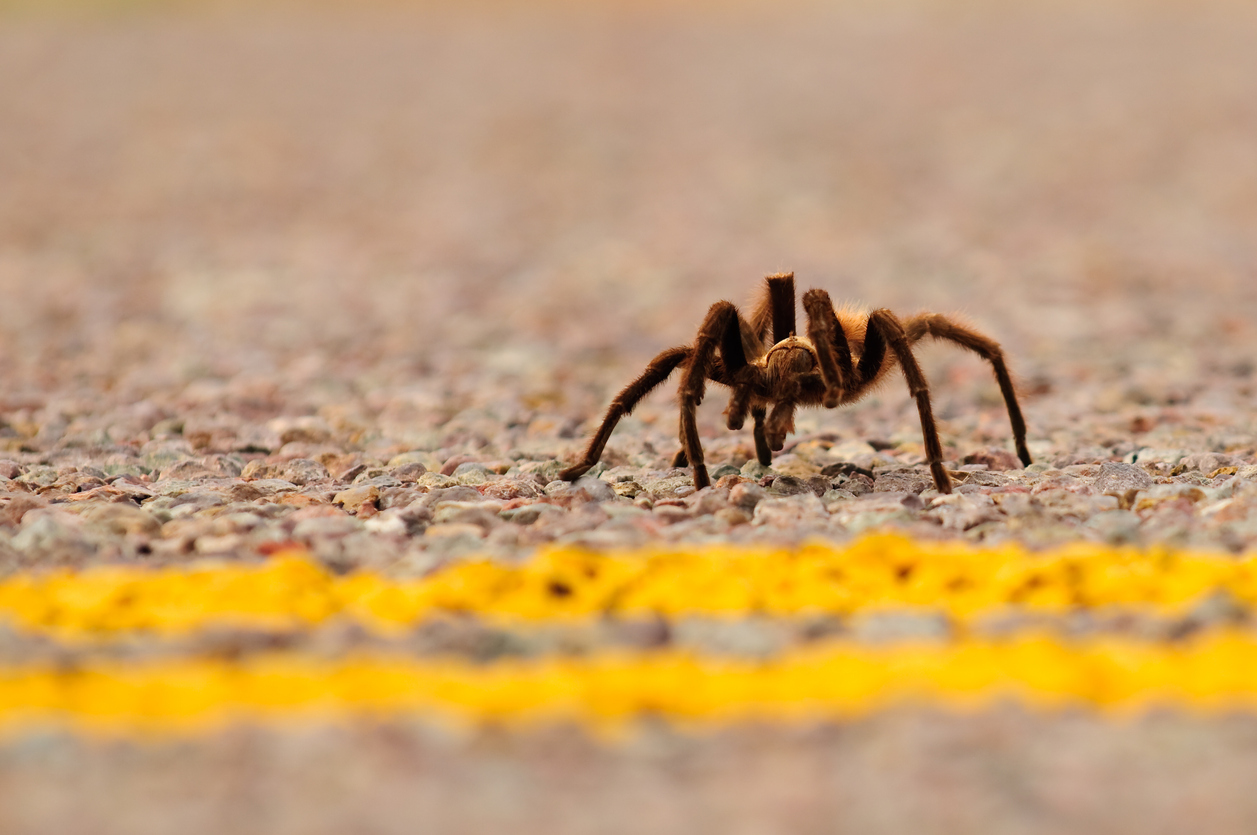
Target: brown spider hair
(772, 371)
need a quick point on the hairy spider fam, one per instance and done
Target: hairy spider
(844, 355)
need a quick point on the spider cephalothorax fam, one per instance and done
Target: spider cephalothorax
(772, 370)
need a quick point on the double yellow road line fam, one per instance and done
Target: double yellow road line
(1216, 670)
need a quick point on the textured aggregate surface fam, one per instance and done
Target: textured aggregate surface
(359, 283)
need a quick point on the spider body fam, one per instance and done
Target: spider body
(772, 370)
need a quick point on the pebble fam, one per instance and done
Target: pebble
(353, 498)
(902, 481)
(595, 489)
(747, 495)
(409, 472)
(1114, 477)
(788, 485)
(326, 526)
(302, 471)
(754, 470)
(508, 487)
(789, 511)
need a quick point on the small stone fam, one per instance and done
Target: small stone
(901, 481)
(545, 471)
(597, 489)
(790, 511)
(122, 518)
(788, 485)
(303, 471)
(472, 473)
(259, 468)
(846, 469)
(627, 489)
(353, 498)
(423, 459)
(525, 515)
(435, 480)
(39, 476)
(271, 486)
(324, 527)
(373, 475)
(452, 493)
(1117, 478)
(670, 487)
(723, 470)
(1206, 462)
(1147, 455)
(408, 473)
(747, 495)
(454, 531)
(10, 469)
(754, 470)
(508, 487)
(1116, 527)
(670, 513)
(855, 452)
(994, 459)
(305, 429)
(709, 500)
(387, 522)
(733, 515)
(482, 514)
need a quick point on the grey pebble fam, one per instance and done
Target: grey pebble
(303, 471)
(1116, 527)
(597, 489)
(409, 472)
(790, 510)
(901, 481)
(453, 493)
(788, 485)
(746, 495)
(1117, 477)
(754, 470)
(322, 527)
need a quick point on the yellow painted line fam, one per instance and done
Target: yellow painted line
(607, 692)
(564, 584)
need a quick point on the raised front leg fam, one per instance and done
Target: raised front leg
(774, 315)
(656, 372)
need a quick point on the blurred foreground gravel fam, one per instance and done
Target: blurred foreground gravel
(363, 280)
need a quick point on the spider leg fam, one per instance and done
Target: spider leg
(656, 372)
(891, 332)
(826, 333)
(941, 327)
(762, 453)
(780, 423)
(775, 313)
(722, 328)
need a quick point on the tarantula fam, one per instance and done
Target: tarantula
(844, 355)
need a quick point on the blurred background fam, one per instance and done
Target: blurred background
(513, 206)
(461, 227)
